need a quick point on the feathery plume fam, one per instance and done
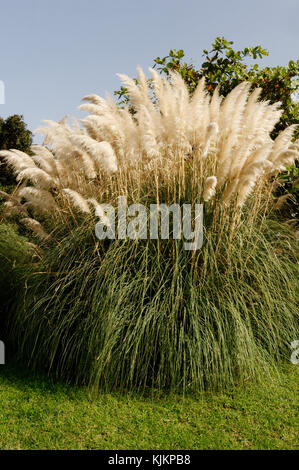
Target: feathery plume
(168, 132)
(78, 201)
(38, 177)
(101, 152)
(37, 198)
(210, 188)
(35, 227)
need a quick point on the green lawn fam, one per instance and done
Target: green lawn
(37, 413)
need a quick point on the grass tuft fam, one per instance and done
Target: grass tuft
(132, 314)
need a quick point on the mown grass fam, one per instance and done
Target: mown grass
(39, 413)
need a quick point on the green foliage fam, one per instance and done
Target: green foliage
(287, 194)
(15, 256)
(290, 180)
(13, 135)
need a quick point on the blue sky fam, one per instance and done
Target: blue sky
(53, 52)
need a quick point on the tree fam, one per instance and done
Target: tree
(13, 135)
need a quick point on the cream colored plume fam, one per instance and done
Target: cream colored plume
(168, 132)
(34, 196)
(210, 188)
(77, 200)
(35, 227)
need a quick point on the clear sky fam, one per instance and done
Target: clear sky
(53, 52)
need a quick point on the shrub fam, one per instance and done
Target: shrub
(15, 258)
(132, 313)
(136, 314)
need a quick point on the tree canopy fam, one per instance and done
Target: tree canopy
(13, 135)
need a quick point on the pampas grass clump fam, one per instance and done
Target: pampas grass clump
(133, 313)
